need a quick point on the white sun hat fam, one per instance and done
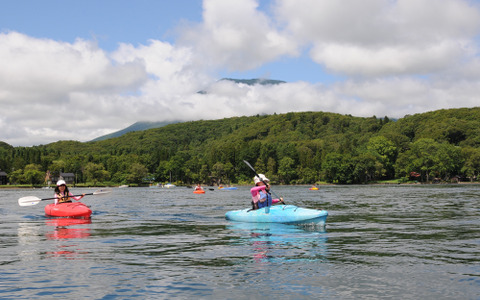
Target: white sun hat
(262, 178)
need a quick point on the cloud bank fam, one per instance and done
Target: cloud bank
(392, 57)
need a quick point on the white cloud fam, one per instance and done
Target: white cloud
(235, 35)
(387, 60)
(382, 37)
(31, 65)
(39, 79)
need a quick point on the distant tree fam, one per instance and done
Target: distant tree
(16, 177)
(137, 172)
(221, 172)
(331, 167)
(204, 175)
(286, 169)
(387, 154)
(96, 173)
(271, 166)
(429, 158)
(306, 175)
(471, 167)
(366, 168)
(56, 167)
(32, 174)
(162, 173)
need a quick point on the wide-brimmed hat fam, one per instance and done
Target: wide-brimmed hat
(256, 179)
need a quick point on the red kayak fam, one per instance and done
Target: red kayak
(70, 209)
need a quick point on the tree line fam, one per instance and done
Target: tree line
(291, 148)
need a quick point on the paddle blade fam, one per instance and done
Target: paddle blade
(250, 166)
(29, 201)
(102, 191)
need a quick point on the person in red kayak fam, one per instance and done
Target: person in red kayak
(63, 195)
(261, 193)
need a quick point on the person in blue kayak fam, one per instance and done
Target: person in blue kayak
(261, 196)
(63, 195)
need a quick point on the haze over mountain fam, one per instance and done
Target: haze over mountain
(139, 126)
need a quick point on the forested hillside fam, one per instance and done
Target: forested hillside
(292, 148)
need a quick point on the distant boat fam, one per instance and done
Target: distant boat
(198, 190)
(123, 186)
(169, 185)
(227, 188)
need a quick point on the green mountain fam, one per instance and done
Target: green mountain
(291, 148)
(138, 126)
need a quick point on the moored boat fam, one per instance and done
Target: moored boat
(69, 209)
(287, 214)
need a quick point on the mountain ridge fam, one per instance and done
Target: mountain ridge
(137, 126)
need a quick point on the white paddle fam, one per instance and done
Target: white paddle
(32, 200)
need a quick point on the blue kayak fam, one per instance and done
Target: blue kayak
(288, 214)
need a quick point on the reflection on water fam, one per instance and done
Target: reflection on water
(272, 242)
(29, 236)
(64, 230)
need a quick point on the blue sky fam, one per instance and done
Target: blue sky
(113, 63)
(108, 21)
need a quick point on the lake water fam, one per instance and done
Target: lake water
(409, 242)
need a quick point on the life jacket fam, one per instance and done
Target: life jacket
(63, 199)
(265, 199)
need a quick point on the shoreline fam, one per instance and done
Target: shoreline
(306, 185)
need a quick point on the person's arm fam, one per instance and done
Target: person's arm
(256, 189)
(278, 200)
(76, 198)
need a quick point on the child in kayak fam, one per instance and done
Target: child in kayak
(260, 193)
(62, 195)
